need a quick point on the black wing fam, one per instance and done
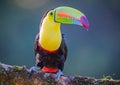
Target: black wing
(37, 51)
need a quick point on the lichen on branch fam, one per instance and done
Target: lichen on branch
(20, 75)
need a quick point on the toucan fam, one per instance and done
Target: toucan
(50, 47)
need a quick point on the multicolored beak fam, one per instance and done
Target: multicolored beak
(68, 15)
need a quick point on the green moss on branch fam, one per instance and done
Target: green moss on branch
(20, 75)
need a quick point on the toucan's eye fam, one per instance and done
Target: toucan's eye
(51, 13)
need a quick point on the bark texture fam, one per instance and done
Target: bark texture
(20, 75)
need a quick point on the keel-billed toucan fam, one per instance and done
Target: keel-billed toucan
(50, 47)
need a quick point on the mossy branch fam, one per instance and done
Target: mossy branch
(20, 75)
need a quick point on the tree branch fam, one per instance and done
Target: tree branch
(20, 75)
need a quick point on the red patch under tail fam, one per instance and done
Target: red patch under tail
(49, 70)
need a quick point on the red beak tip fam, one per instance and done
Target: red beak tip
(87, 28)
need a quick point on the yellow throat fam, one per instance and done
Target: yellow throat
(50, 35)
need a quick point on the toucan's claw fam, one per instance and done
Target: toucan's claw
(58, 75)
(34, 69)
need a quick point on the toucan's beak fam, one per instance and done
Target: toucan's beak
(68, 15)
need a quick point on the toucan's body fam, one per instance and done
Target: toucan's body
(50, 48)
(50, 61)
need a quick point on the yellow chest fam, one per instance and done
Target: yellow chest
(50, 35)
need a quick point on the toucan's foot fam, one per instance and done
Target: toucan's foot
(34, 69)
(58, 74)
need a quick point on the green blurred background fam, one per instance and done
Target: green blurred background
(91, 53)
